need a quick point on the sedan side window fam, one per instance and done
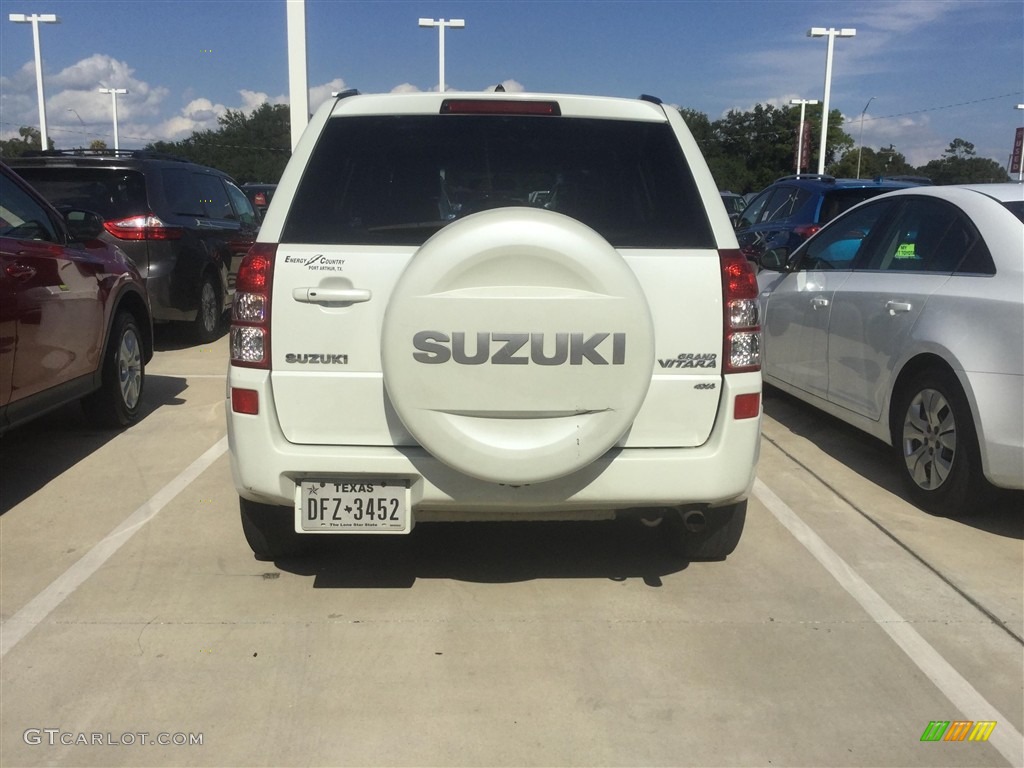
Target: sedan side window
(839, 245)
(928, 236)
(22, 217)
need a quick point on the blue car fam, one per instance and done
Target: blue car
(795, 207)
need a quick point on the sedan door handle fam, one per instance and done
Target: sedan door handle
(331, 295)
(819, 302)
(898, 306)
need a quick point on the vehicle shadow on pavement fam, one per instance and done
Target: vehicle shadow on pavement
(168, 337)
(499, 552)
(1002, 514)
(35, 453)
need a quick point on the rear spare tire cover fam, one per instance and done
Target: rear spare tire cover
(517, 346)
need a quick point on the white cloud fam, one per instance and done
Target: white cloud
(318, 94)
(406, 88)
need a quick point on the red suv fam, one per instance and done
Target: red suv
(74, 314)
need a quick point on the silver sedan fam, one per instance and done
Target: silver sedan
(905, 318)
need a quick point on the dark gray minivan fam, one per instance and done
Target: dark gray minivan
(186, 226)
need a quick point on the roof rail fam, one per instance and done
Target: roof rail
(811, 176)
(134, 154)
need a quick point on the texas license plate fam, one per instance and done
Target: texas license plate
(354, 506)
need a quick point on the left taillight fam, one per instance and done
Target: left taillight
(742, 349)
(250, 313)
(145, 227)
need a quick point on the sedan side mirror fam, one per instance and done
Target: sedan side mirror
(83, 225)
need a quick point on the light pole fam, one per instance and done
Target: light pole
(441, 24)
(860, 141)
(832, 33)
(800, 136)
(298, 75)
(113, 102)
(35, 19)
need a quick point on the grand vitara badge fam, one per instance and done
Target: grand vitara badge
(567, 348)
(691, 360)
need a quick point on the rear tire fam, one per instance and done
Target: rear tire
(269, 530)
(721, 533)
(209, 313)
(116, 404)
(937, 445)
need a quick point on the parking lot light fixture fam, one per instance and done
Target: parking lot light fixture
(800, 133)
(113, 102)
(35, 19)
(441, 24)
(831, 33)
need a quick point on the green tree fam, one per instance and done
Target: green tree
(747, 151)
(29, 140)
(249, 147)
(97, 144)
(960, 165)
(885, 161)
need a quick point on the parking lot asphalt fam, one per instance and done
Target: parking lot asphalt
(139, 630)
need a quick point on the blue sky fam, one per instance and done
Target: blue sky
(938, 70)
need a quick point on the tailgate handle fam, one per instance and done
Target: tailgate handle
(898, 306)
(331, 295)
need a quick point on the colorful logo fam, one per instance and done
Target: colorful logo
(958, 730)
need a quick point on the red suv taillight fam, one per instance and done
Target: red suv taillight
(250, 313)
(147, 227)
(742, 351)
(804, 231)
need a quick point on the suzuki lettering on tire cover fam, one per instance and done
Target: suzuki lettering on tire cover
(517, 346)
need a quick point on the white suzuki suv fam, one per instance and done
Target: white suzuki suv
(494, 306)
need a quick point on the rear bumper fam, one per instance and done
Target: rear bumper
(999, 404)
(267, 468)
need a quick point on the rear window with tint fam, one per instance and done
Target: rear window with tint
(395, 180)
(1016, 207)
(837, 201)
(112, 193)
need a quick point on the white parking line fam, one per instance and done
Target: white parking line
(971, 704)
(37, 609)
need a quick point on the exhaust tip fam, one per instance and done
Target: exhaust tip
(694, 521)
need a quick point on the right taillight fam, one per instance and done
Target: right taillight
(250, 313)
(145, 227)
(803, 231)
(742, 348)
